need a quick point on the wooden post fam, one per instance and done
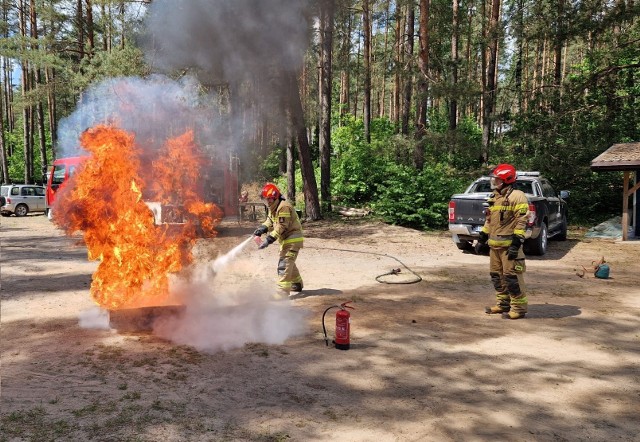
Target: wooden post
(625, 205)
(636, 206)
(627, 193)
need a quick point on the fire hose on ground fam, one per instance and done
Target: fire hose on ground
(395, 272)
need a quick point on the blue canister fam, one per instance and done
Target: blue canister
(602, 271)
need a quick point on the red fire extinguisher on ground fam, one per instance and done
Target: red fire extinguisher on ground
(343, 326)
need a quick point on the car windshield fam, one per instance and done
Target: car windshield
(484, 186)
(4, 190)
(58, 174)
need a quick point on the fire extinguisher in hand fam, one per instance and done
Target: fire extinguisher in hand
(343, 325)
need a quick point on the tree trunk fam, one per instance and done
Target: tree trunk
(326, 44)
(121, 11)
(398, 68)
(559, 42)
(357, 74)
(519, 31)
(455, 33)
(468, 56)
(489, 93)
(37, 85)
(90, 33)
(4, 163)
(80, 28)
(383, 83)
(344, 74)
(309, 185)
(26, 112)
(423, 82)
(366, 25)
(291, 170)
(408, 68)
(52, 108)
(106, 33)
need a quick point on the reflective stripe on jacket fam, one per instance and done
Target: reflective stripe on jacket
(283, 222)
(507, 216)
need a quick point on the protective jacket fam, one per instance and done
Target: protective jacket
(507, 216)
(283, 223)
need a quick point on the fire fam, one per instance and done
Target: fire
(106, 202)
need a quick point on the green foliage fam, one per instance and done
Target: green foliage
(596, 110)
(16, 160)
(460, 148)
(417, 199)
(128, 61)
(271, 164)
(281, 182)
(381, 174)
(358, 167)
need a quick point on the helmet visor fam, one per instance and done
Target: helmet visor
(496, 182)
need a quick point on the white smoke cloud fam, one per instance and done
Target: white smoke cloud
(210, 327)
(228, 303)
(217, 317)
(154, 109)
(94, 318)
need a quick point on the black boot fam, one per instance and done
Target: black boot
(496, 309)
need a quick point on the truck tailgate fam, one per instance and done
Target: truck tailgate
(469, 209)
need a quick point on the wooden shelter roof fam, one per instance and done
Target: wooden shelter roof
(622, 156)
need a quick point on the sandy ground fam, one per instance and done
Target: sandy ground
(426, 363)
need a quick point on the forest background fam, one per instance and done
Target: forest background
(389, 105)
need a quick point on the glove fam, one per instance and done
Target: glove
(481, 243)
(481, 248)
(261, 230)
(514, 248)
(268, 240)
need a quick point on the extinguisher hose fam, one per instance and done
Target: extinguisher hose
(417, 277)
(324, 329)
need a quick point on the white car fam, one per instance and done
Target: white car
(21, 199)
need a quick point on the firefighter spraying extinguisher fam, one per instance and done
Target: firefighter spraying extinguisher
(343, 325)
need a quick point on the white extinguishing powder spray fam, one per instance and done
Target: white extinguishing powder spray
(222, 261)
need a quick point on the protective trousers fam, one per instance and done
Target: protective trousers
(287, 270)
(507, 277)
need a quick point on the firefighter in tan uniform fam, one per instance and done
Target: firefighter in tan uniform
(282, 225)
(503, 231)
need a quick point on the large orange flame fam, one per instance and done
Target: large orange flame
(105, 202)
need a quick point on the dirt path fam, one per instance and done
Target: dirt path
(426, 363)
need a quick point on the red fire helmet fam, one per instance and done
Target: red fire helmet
(270, 190)
(506, 172)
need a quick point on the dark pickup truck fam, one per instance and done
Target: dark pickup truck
(548, 215)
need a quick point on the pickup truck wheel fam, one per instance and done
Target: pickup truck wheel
(537, 246)
(464, 245)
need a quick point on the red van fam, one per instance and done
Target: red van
(58, 174)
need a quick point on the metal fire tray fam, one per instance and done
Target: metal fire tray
(142, 319)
